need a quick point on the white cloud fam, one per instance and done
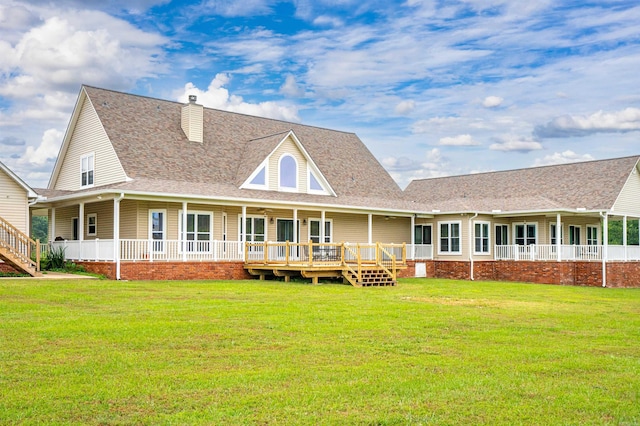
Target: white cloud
(492, 101)
(562, 158)
(216, 96)
(426, 126)
(599, 122)
(325, 20)
(405, 107)
(291, 87)
(460, 140)
(46, 151)
(515, 143)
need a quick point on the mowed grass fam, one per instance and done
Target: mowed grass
(251, 352)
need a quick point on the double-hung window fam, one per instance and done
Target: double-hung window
(86, 170)
(481, 237)
(553, 229)
(422, 234)
(254, 229)
(449, 238)
(502, 235)
(574, 235)
(92, 224)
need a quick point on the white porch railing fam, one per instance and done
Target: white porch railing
(420, 251)
(95, 250)
(546, 252)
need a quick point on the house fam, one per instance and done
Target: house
(145, 188)
(550, 223)
(15, 245)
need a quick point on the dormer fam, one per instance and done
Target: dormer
(192, 120)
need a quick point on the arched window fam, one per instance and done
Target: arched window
(288, 172)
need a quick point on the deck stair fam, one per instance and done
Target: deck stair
(16, 249)
(370, 277)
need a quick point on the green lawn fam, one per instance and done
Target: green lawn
(250, 352)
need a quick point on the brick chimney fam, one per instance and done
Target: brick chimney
(192, 120)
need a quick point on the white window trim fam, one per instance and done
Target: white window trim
(287, 188)
(252, 216)
(164, 230)
(551, 225)
(247, 184)
(210, 240)
(513, 231)
(450, 253)
(322, 191)
(597, 228)
(482, 222)
(95, 224)
(317, 219)
(92, 168)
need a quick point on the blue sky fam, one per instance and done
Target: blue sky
(433, 88)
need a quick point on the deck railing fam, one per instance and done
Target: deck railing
(549, 252)
(20, 245)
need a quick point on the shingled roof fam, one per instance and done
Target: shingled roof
(593, 185)
(154, 152)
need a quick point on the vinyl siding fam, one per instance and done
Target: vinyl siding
(392, 230)
(88, 136)
(64, 216)
(13, 203)
(351, 228)
(128, 219)
(628, 201)
(104, 219)
(287, 147)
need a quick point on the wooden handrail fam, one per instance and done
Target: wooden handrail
(19, 243)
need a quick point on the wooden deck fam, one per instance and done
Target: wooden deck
(358, 264)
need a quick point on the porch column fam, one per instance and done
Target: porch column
(116, 233)
(52, 225)
(295, 226)
(624, 236)
(370, 229)
(183, 237)
(413, 237)
(559, 237)
(80, 229)
(605, 244)
(243, 231)
(322, 219)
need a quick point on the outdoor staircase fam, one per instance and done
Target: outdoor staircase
(371, 277)
(16, 249)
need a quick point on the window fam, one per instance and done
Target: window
(199, 231)
(422, 234)
(314, 230)
(525, 233)
(314, 185)
(449, 238)
(86, 170)
(92, 225)
(157, 229)
(574, 235)
(255, 229)
(554, 234)
(502, 235)
(260, 178)
(288, 173)
(592, 235)
(481, 237)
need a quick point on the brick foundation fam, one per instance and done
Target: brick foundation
(170, 270)
(8, 269)
(619, 274)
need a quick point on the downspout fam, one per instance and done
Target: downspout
(116, 232)
(605, 243)
(471, 244)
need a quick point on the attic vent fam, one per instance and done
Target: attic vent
(192, 120)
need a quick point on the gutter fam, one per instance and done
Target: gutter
(471, 245)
